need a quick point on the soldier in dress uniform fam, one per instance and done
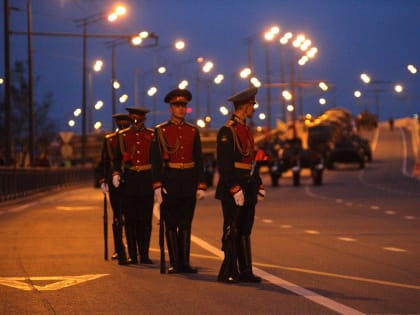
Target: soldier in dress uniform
(238, 189)
(106, 165)
(178, 178)
(133, 172)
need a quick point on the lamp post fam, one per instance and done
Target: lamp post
(84, 22)
(376, 90)
(136, 41)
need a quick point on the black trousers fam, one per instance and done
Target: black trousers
(138, 213)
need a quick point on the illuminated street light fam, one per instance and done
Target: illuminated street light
(357, 94)
(99, 104)
(183, 84)
(123, 98)
(97, 125)
(224, 110)
(365, 78)
(412, 69)
(398, 88)
(152, 91)
(245, 73)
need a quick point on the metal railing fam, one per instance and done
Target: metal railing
(21, 182)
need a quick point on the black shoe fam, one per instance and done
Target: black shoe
(172, 269)
(132, 261)
(123, 262)
(249, 277)
(114, 255)
(188, 269)
(146, 261)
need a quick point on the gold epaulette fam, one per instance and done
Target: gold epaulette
(190, 124)
(162, 125)
(124, 130)
(230, 123)
(110, 135)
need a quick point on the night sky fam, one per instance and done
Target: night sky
(379, 37)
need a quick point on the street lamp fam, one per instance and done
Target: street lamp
(376, 90)
(135, 41)
(112, 16)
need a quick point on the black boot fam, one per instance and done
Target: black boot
(119, 245)
(114, 233)
(144, 245)
(131, 243)
(172, 243)
(184, 251)
(245, 260)
(229, 270)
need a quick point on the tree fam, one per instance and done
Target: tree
(45, 127)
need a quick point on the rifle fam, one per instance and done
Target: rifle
(105, 228)
(162, 241)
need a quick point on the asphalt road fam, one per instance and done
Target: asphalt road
(349, 246)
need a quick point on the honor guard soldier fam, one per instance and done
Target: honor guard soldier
(238, 189)
(107, 161)
(178, 178)
(133, 173)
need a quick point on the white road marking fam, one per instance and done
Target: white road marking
(286, 226)
(310, 295)
(394, 249)
(74, 208)
(349, 204)
(267, 221)
(373, 207)
(26, 283)
(339, 200)
(390, 212)
(346, 239)
(312, 232)
(409, 217)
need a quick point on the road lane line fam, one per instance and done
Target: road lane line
(394, 249)
(346, 239)
(318, 273)
(310, 295)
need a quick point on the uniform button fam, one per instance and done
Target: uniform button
(182, 146)
(138, 152)
(138, 142)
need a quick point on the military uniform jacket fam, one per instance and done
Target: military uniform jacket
(235, 159)
(132, 161)
(177, 159)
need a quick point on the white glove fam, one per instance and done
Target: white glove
(116, 179)
(158, 195)
(200, 194)
(261, 194)
(239, 198)
(104, 187)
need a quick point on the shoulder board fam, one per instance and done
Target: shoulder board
(110, 135)
(190, 124)
(124, 130)
(162, 125)
(150, 130)
(230, 123)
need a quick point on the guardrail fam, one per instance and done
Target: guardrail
(21, 182)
